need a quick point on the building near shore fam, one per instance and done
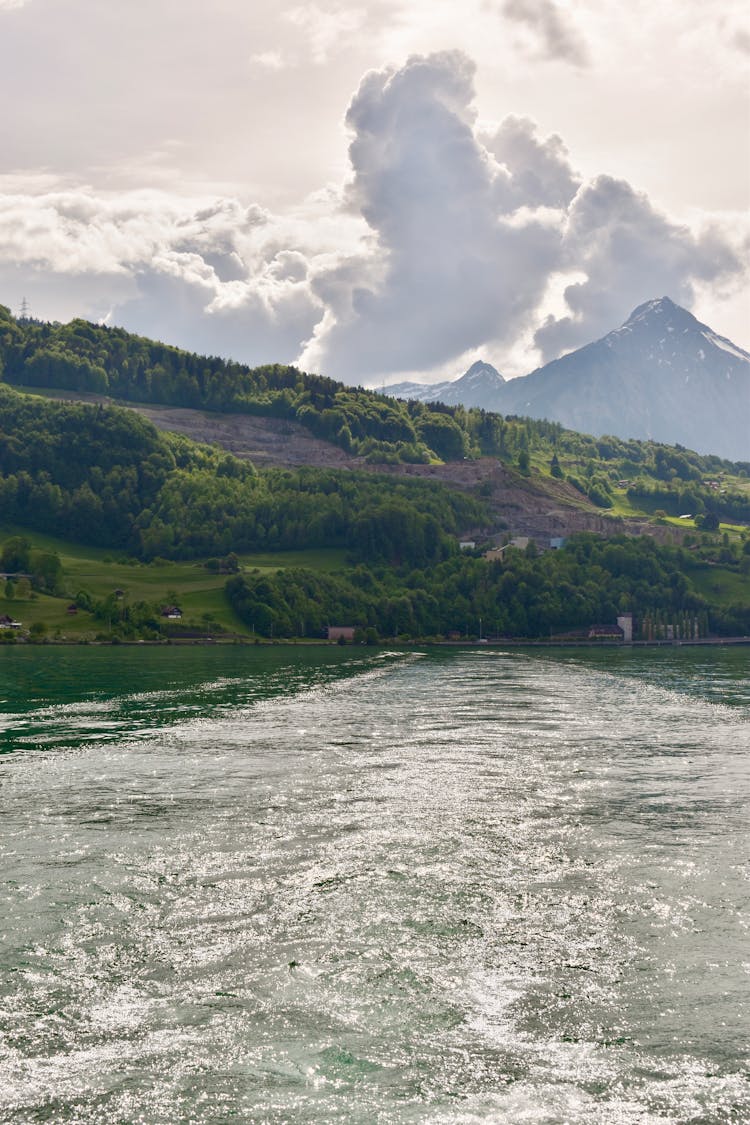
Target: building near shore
(336, 632)
(625, 621)
(605, 633)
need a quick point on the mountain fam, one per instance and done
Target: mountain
(535, 477)
(663, 375)
(482, 385)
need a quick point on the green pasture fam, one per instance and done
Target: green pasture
(722, 587)
(199, 592)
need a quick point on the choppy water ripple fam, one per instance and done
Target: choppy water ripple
(465, 887)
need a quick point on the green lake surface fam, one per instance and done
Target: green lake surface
(284, 884)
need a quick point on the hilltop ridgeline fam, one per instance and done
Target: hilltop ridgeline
(374, 430)
(101, 475)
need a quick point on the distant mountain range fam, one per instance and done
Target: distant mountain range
(475, 388)
(663, 375)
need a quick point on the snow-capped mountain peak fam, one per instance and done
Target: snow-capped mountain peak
(661, 375)
(479, 386)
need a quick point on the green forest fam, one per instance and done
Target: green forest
(101, 476)
(80, 356)
(104, 476)
(528, 594)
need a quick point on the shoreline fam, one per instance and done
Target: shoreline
(509, 642)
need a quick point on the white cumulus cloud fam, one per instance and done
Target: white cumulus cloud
(470, 232)
(447, 239)
(447, 268)
(204, 274)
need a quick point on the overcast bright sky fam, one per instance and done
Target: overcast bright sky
(375, 191)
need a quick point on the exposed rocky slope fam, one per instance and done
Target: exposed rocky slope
(541, 507)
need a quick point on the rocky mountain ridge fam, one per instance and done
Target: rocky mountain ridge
(476, 387)
(663, 375)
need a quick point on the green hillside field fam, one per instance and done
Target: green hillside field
(199, 592)
(272, 580)
(160, 520)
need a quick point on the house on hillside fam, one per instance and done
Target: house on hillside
(172, 612)
(9, 623)
(520, 542)
(495, 554)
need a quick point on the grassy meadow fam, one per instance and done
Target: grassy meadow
(198, 592)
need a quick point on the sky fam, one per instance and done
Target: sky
(379, 191)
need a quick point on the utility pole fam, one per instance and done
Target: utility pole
(24, 309)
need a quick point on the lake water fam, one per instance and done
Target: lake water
(285, 885)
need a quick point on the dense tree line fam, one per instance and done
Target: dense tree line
(87, 357)
(526, 595)
(105, 476)
(84, 472)
(102, 475)
(199, 513)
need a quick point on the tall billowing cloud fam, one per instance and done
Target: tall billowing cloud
(447, 239)
(468, 230)
(454, 263)
(538, 172)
